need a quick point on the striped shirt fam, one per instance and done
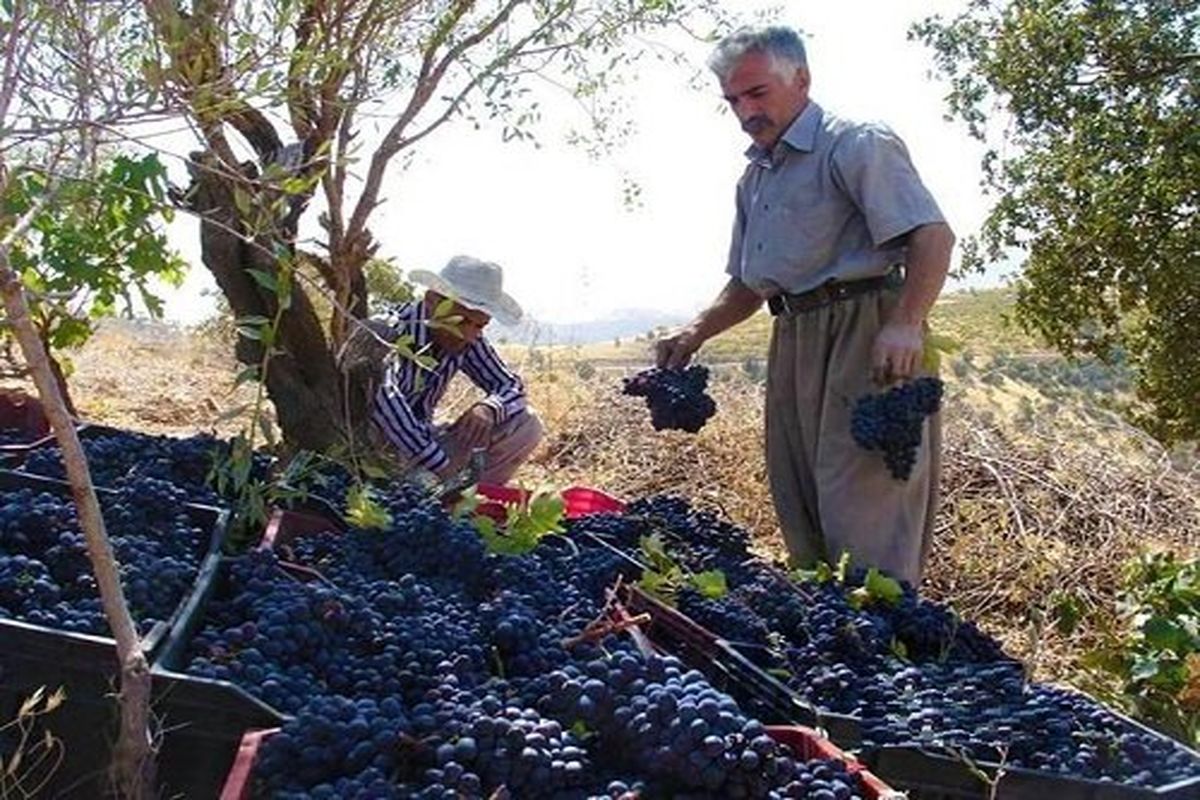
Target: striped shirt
(408, 394)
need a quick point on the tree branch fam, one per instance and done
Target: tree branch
(428, 79)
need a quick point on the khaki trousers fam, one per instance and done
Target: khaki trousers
(831, 496)
(510, 444)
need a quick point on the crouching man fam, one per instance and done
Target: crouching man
(502, 423)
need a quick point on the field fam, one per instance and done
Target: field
(1047, 491)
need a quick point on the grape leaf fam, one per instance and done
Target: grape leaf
(881, 587)
(711, 584)
(363, 511)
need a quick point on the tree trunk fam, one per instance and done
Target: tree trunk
(303, 381)
(133, 756)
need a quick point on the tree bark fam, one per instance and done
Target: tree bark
(303, 381)
(133, 756)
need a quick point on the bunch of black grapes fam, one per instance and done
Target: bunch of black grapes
(891, 422)
(676, 397)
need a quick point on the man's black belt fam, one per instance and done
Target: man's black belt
(830, 292)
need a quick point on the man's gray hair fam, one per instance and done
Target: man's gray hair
(779, 42)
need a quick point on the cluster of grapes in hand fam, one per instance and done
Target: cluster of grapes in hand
(891, 422)
(676, 397)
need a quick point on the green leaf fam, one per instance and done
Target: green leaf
(658, 584)
(1165, 634)
(546, 512)
(1144, 668)
(242, 202)
(843, 565)
(710, 583)
(820, 572)
(882, 588)
(655, 551)
(364, 511)
(249, 374)
(264, 279)
(1068, 612)
(250, 332)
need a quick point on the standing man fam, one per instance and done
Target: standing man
(501, 423)
(835, 230)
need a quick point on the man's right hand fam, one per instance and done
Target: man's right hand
(676, 350)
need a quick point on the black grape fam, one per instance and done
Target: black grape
(891, 422)
(676, 398)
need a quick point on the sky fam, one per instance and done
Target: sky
(557, 221)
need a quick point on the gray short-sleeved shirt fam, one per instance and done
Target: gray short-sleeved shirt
(823, 204)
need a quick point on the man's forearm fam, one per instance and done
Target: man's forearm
(734, 304)
(925, 269)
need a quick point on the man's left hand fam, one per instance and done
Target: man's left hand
(474, 427)
(897, 352)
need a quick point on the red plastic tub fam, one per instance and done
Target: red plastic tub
(284, 525)
(578, 501)
(237, 783)
(807, 743)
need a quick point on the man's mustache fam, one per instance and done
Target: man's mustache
(756, 124)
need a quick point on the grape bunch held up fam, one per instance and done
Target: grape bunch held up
(676, 397)
(891, 422)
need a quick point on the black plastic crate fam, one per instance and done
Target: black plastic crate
(201, 722)
(212, 519)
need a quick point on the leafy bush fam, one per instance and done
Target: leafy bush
(1154, 650)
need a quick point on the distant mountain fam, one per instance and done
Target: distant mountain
(622, 324)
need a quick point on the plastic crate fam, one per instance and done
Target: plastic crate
(284, 525)
(928, 775)
(212, 519)
(238, 783)
(23, 413)
(578, 501)
(805, 743)
(201, 721)
(808, 744)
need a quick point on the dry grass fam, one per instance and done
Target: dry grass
(1032, 511)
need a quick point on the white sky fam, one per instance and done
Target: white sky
(556, 221)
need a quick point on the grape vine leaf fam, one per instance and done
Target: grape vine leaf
(711, 584)
(883, 588)
(363, 510)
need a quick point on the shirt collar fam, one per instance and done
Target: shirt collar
(800, 135)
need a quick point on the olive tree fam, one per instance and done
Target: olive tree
(292, 86)
(1092, 115)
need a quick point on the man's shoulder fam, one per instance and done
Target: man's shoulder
(840, 128)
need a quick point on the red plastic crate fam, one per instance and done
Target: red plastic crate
(578, 501)
(237, 783)
(284, 525)
(807, 743)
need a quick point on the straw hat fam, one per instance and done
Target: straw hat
(474, 283)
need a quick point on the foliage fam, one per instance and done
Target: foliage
(1154, 651)
(301, 86)
(386, 284)
(524, 526)
(664, 576)
(1097, 176)
(363, 510)
(28, 762)
(876, 587)
(94, 249)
